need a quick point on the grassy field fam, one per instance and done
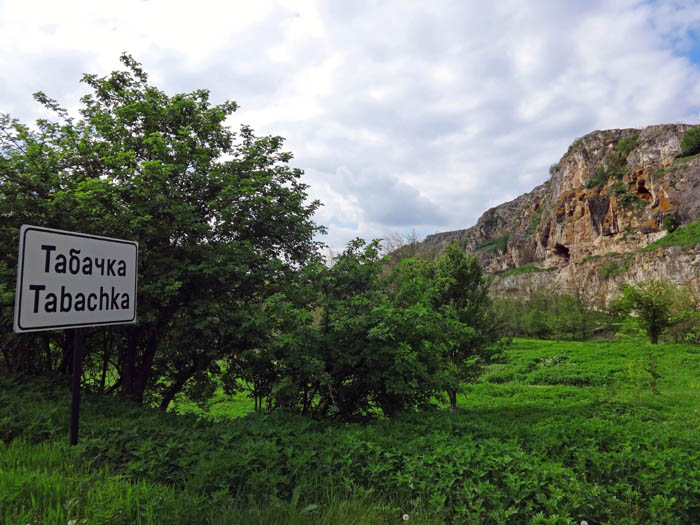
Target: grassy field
(559, 433)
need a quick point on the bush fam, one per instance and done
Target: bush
(670, 223)
(690, 145)
(625, 146)
(494, 244)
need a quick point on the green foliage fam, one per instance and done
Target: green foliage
(690, 144)
(494, 244)
(538, 323)
(560, 429)
(618, 266)
(220, 217)
(644, 373)
(535, 219)
(682, 160)
(548, 314)
(670, 223)
(684, 316)
(626, 145)
(575, 144)
(601, 177)
(686, 237)
(619, 188)
(463, 297)
(363, 340)
(630, 201)
(651, 302)
(614, 164)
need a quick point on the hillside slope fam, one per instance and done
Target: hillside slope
(612, 194)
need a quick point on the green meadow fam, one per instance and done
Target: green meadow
(557, 432)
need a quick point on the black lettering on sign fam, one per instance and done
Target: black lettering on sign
(61, 263)
(100, 263)
(79, 302)
(87, 266)
(48, 249)
(36, 288)
(92, 302)
(74, 261)
(50, 304)
(66, 300)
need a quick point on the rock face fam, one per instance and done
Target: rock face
(611, 194)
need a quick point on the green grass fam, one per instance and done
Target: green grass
(687, 158)
(220, 406)
(686, 237)
(558, 432)
(50, 483)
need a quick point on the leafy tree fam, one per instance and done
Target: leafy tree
(370, 340)
(651, 302)
(220, 217)
(538, 323)
(378, 352)
(463, 296)
(685, 314)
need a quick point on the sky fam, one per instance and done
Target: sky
(405, 116)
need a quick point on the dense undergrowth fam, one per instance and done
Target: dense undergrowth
(561, 432)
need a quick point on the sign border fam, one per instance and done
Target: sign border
(24, 229)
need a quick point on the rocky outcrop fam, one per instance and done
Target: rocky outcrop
(611, 194)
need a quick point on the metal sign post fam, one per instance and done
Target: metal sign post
(68, 280)
(75, 384)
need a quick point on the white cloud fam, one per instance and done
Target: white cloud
(400, 112)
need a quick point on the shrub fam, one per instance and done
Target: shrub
(494, 244)
(619, 188)
(600, 177)
(630, 201)
(670, 223)
(575, 144)
(690, 145)
(613, 166)
(535, 219)
(626, 145)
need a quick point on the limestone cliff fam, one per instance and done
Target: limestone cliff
(611, 194)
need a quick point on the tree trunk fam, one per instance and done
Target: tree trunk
(146, 367)
(129, 370)
(180, 381)
(453, 399)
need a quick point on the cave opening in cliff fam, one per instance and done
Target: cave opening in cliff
(642, 191)
(562, 251)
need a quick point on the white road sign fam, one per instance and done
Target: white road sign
(70, 280)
